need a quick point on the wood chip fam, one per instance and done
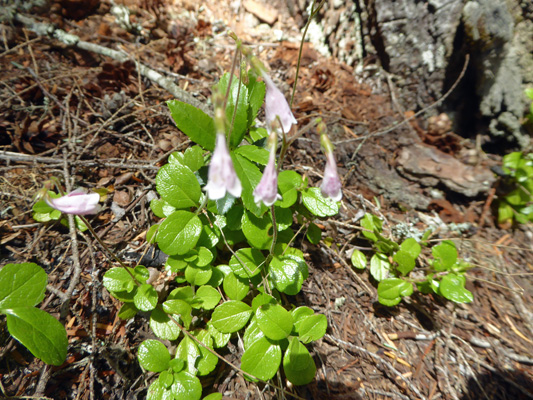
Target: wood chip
(263, 12)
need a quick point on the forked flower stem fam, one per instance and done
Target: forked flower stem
(113, 255)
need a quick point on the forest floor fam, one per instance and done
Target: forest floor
(90, 119)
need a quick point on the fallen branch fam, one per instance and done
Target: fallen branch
(45, 29)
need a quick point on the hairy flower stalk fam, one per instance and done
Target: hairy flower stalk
(77, 202)
(221, 177)
(267, 189)
(331, 184)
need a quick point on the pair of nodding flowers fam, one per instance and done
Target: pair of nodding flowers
(222, 178)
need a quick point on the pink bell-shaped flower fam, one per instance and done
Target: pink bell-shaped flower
(267, 189)
(276, 106)
(77, 202)
(331, 184)
(221, 177)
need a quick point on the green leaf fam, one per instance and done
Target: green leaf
(358, 259)
(153, 356)
(257, 230)
(234, 217)
(179, 233)
(261, 359)
(391, 291)
(299, 314)
(127, 311)
(206, 297)
(196, 124)
(312, 327)
(162, 326)
(274, 321)
(412, 247)
(314, 234)
(41, 333)
(235, 287)
(262, 298)
(146, 298)
(184, 293)
(188, 351)
(213, 396)
(186, 387)
(179, 307)
(157, 391)
(220, 339)
(231, 316)
(406, 262)
(117, 279)
(452, 287)
(253, 153)
(198, 275)
(299, 367)
(177, 365)
(21, 285)
(256, 95)
(207, 361)
(371, 223)
(288, 273)
(166, 378)
(205, 256)
(249, 175)
(251, 260)
(192, 158)
(379, 266)
(445, 255)
(289, 183)
(252, 333)
(161, 208)
(239, 103)
(317, 204)
(178, 186)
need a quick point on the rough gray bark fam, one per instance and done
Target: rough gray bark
(423, 44)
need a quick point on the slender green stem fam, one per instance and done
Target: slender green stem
(202, 206)
(314, 11)
(236, 100)
(113, 255)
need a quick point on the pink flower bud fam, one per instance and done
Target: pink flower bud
(221, 177)
(267, 189)
(276, 106)
(77, 202)
(331, 184)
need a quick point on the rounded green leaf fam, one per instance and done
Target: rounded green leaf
(207, 361)
(445, 255)
(405, 261)
(252, 333)
(452, 286)
(312, 328)
(198, 275)
(166, 378)
(262, 298)
(274, 321)
(213, 396)
(22, 285)
(188, 351)
(371, 224)
(157, 391)
(289, 182)
(412, 247)
(314, 234)
(257, 230)
(41, 333)
(162, 326)
(299, 314)
(358, 259)
(153, 355)
(287, 274)
(231, 316)
(186, 386)
(179, 233)
(261, 359)
(379, 266)
(204, 257)
(195, 123)
(178, 186)
(251, 260)
(317, 204)
(391, 291)
(146, 298)
(117, 279)
(207, 297)
(178, 307)
(299, 366)
(236, 288)
(219, 339)
(127, 311)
